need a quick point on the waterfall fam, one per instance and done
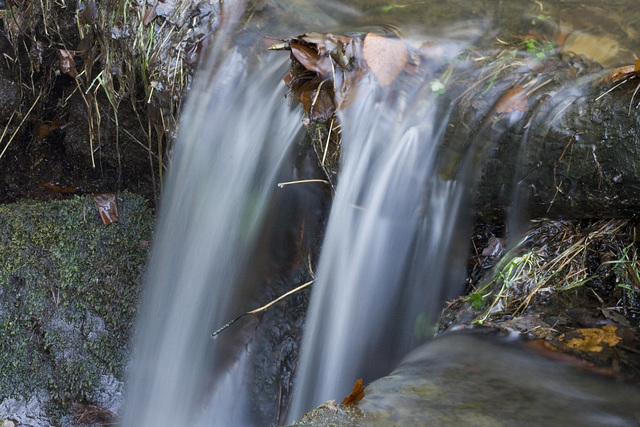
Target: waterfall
(394, 247)
(231, 151)
(387, 239)
(391, 228)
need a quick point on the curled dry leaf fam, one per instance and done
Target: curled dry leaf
(310, 58)
(107, 207)
(67, 63)
(356, 395)
(385, 56)
(622, 73)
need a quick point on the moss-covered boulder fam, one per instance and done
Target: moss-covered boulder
(69, 289)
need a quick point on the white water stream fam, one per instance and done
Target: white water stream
(394, 249)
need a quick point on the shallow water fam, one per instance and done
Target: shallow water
(396, 239)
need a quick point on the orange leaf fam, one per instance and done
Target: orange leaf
(385, 56)
(593, 338)
(46, 128)
(61, 190)
(356, 395)
(622, 73)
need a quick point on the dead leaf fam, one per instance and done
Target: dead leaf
(310, 58)
(385, 56)
(193, 53)
(67, 63)
(622, 73)
(594, 338)
(46, 128)
(61, 190)
(149, 15)
(107, 207)
(356, 395)
(615, 316)
(89, 14)
(515, 99)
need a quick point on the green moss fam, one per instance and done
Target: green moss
(69, 288)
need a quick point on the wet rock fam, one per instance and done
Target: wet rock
(476, 378)
(25, 412)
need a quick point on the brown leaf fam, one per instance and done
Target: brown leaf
(61, 190)
(515, 99)
(622, 73)
(107, 207)
(193, 53)
(385, 56)
(89, 13)
(46, 128)
(356, 395)
(310, 58)
(67, 64)
(149, 15)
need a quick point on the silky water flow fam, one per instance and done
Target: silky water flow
(394, 247)
(389, 227)
(231, 152)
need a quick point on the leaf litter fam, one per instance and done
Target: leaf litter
(327, 69)
(571, 289)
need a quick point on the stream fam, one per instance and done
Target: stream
(384, 257)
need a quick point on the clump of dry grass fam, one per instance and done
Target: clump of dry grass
(557, 256)
(117, 51)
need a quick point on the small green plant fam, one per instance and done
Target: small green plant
(627, 271)
(539, 48)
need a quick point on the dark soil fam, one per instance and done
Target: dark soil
(47, 151)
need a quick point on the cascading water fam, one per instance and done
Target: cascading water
(208, 230)
(393, 250)
(202, 270)
(384, 243)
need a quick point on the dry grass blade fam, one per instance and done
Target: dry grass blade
(560, 264)
(263, 308)
(19, 126)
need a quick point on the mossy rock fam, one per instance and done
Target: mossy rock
(69, 290)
